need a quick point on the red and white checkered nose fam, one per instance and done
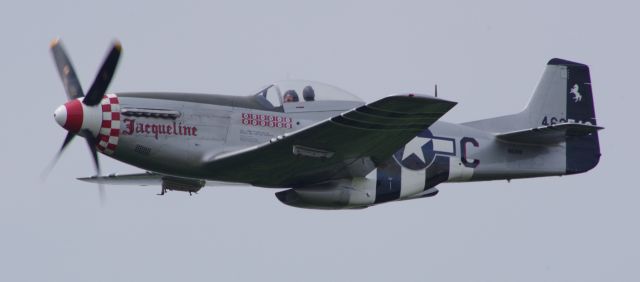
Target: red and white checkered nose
(70, 115)
(102, 120)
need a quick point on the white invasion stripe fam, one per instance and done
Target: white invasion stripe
(412, 182)
(458, 172)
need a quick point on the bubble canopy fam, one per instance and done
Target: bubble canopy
(303, 91)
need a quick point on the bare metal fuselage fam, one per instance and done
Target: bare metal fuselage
(211, 125)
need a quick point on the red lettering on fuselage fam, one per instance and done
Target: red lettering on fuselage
(132, 126)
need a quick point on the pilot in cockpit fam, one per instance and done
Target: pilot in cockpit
(308, 94)
(290, 96)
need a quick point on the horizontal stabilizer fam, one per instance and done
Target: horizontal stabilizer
(549, 134)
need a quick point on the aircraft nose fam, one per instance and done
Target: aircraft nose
(70, 115)
(60, 115)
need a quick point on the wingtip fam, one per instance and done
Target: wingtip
(54, 42)
(117, 45)
(92, 179)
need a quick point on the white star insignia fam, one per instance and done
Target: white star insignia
(415, 147)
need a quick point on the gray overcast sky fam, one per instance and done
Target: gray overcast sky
(487, 55)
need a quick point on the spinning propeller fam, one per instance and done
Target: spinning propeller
(82, 115)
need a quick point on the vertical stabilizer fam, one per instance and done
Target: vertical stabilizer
(563, 96)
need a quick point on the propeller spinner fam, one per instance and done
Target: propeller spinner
(82, 115)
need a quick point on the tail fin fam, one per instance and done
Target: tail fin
(563, 96)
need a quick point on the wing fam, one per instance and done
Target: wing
(145, 179)
(140, 179)
(326, 150)
(549, 134)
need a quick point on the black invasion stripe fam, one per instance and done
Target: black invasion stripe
(388, 181)
(437, 172)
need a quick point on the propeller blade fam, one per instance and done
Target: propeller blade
(92, 142)
(94, 96)
(104, 76)
(65, 70)
(102, 194)
(66, 142)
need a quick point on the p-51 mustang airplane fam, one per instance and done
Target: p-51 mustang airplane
(329, 149)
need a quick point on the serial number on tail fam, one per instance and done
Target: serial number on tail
(546, 121)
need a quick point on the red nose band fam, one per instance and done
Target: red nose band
(74, 116)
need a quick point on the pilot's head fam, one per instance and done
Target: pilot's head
(308, 94)
(291, 96)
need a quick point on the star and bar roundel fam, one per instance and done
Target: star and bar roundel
(421, 151)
